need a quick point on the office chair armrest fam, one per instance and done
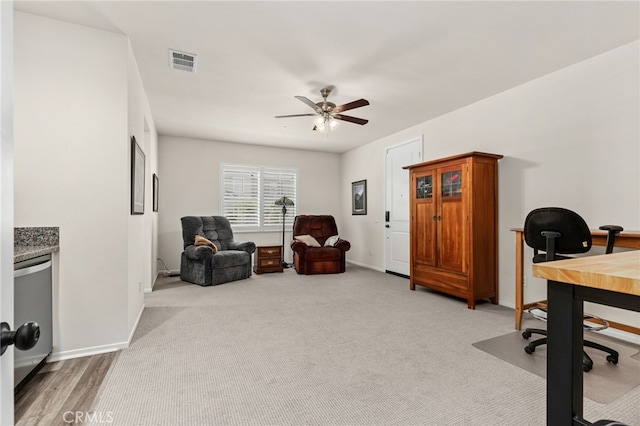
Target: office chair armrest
(615, 228)
(612, 230)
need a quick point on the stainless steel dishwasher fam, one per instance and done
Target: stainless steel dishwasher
(33, 302)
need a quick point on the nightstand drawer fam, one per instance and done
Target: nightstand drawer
(269, 263)
(270, 251)
(268, 259)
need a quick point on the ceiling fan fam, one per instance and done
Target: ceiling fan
(328, 112)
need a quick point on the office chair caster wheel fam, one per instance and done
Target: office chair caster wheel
(526, 334)
(528, 349)
(612, 359)
(586, 368)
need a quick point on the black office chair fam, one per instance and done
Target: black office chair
(558, 231)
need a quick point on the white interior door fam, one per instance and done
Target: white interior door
(396, 252)
(6, 204)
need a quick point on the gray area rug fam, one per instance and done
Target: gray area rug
(604, 383)
(357, 348)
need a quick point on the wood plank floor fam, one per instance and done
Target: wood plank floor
(62, 387)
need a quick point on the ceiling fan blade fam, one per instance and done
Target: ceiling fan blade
(350, 119)
(351, 105)
(309, 102)
(296, 115)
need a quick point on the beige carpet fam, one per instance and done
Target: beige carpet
(604, 383)
(357, 348)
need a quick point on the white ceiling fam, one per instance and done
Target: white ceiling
(412, 61)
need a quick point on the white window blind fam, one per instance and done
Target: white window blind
(241, 195)
(249, 194)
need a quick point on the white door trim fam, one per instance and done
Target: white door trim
(6, 205)
(420, 139)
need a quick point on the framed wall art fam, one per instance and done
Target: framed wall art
(137, 178)
(359, 197)
(155, 192)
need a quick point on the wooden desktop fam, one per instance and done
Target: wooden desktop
(610, 279)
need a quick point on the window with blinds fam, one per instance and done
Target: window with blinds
(249, 193)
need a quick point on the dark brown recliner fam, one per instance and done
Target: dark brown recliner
(318, 260)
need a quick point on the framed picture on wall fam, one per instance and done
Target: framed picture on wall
(359, 197)
(137, 178)
(155, 192)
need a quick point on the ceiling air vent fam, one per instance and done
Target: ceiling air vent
(182, 60)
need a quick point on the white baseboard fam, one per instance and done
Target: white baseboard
(619, 334)
(96, 350)
(507, 304)
(78, 353)
(365, 265)
(135, 326)
(155, 280)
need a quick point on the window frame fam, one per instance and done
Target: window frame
(260, 170)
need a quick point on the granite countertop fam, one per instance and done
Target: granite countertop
(34, 242)
(21, 253)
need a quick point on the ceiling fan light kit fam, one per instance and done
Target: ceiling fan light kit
(328, 113)
(325, 122)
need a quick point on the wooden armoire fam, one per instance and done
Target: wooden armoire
(454, 226)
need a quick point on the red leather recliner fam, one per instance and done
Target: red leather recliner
(318, 260)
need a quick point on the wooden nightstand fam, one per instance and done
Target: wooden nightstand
(268, 259)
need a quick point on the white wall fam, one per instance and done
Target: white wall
(189, 186)
(72, 170)
(570, 139)
(142, 228)
(367, 162)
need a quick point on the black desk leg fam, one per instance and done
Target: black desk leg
(564, 355)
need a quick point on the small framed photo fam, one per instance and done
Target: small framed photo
(137, 178)
(359, 197)
(155, 192)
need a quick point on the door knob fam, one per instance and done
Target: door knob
(25, 337)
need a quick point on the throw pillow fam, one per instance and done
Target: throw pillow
(202, 241)
(308, 240)
(332, 241)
